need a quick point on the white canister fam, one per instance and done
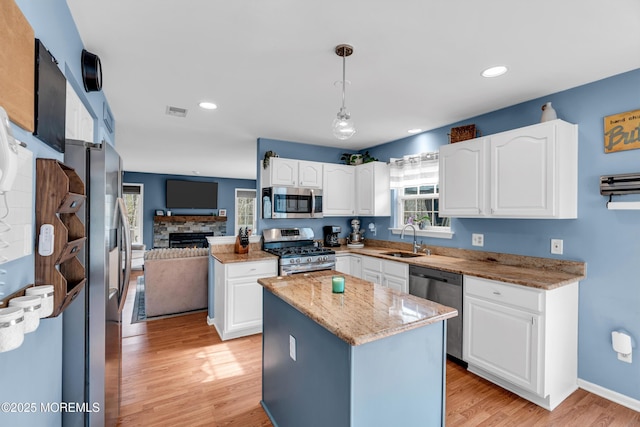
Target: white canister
(46, 293)
(11, 328)
(31, 305)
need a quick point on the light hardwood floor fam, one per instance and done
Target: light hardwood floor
(177, 372)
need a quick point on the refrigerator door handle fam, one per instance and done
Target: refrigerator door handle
(122, 217)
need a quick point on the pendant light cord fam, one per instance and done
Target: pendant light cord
(344, 66)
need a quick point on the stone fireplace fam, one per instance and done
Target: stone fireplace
(198, 226)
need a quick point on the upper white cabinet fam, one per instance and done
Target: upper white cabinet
(529, 172)
(372, 189)
(78, 121)
(292, 173)
(463, 171)
(338, 190)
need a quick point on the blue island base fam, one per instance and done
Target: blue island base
(394, 381)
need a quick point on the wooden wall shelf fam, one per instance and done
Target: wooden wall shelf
(60, 193)
(189, 218)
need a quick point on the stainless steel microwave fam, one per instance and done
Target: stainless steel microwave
(289, 202)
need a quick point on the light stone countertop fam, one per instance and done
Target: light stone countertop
(535, 272)
(365, 312)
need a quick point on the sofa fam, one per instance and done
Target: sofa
(175, 280)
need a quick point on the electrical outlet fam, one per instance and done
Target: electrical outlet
(556, 246)
(292, 347)
(477, 239)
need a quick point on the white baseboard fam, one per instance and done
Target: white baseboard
(209, 321)
(611, 395)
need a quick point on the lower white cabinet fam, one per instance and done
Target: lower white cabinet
(349, 264)
(343, 263)
(521, 338)
(238, 297)
(390, 274)
(356, 265)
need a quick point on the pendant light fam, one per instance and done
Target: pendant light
(343, 127)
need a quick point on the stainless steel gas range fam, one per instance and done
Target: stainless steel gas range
(297, 251)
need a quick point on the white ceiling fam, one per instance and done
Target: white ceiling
(270, 67)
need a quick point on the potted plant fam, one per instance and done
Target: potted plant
(424, 222)
(357, 159)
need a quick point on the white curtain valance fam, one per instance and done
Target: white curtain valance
(414, 170)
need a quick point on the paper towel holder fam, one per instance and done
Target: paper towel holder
(622, 344)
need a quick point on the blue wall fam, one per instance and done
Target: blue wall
(33, 372)
(155, 197)
(606, 240)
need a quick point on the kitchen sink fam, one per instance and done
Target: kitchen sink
(402, 254)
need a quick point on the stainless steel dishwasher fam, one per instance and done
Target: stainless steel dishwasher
(444, 288)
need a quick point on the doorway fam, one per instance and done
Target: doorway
(133, 195)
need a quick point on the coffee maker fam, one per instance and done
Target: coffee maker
(331, 235)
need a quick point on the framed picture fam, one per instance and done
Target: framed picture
(159, 212)
(222, 212)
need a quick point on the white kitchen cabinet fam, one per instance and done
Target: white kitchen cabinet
(463, 178)
(78, 120)
(292, 173)
(390, 274)
(343, 263)
(238, 297)
(373, 197)
(529, 172)
(356, 265)
(339, 190)
(522, 338)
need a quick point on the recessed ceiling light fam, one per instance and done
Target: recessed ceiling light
(416, 130)
(208, 105)
(494, 71)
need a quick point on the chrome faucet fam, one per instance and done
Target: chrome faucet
(416, 246)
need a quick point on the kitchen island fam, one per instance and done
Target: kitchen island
(368, 357)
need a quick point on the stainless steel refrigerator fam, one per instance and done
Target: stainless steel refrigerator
(92, 332)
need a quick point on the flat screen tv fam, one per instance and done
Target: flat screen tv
(192, 194)
(51, 99)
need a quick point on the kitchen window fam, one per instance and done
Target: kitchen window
(245, 209)
(414, 179)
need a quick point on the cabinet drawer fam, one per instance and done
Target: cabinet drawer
(370, 263)
(242, 269)
(396, 269)
(503, 293)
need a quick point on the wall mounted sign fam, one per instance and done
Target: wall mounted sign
(622, 131)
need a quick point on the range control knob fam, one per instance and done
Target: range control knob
(291, 261)
(297, 260)
(309, 259)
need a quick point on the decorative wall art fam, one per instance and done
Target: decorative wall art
(622, 131)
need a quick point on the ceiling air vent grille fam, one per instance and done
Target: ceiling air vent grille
(176, 111)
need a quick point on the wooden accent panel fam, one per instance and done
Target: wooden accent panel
(17, 65)
(189, 218)
(59, 195)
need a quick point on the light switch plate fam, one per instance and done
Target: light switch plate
(477, 239)
(557, 246)
(292, 347)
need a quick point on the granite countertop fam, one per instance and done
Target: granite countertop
(535, 272)
(365, 312)
(252, 255)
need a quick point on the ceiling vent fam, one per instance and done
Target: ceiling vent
(176, 111)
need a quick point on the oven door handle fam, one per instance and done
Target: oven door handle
(291, 269)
